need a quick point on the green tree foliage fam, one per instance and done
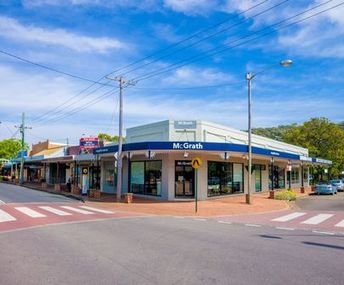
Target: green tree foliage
(322, 138)
(10, 147)
(107, 138)
(276, 133)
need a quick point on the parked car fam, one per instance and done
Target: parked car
(325, 188)
(338, 183)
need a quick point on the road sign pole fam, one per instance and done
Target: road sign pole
(196, 189)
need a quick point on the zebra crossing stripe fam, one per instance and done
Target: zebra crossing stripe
(289, 217)
(317, 219)
(29, 212)
(80, 211)
(96, 210)
(55, 211)
(340, 224)
(5, 217)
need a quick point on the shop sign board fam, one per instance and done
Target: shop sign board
(185, 125)
(89, 143)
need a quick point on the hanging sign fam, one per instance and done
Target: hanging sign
(196, 163)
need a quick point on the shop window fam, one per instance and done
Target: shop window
(305, 174)
(295, 177)
(224, 178)
(145, 177)
(278, 177)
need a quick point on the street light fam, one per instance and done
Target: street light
(249, 77)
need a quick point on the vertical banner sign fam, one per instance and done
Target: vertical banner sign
(196, 163)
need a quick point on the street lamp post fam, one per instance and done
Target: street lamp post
(249, 77)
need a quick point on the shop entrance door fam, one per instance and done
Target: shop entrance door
(184, 179)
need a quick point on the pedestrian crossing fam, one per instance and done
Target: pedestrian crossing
(11, 214)
(314, 219)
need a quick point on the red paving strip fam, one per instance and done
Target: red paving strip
(24, 221)
(267, 219)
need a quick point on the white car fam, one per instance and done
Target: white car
(338, 183)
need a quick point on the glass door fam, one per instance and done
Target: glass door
(184, 179)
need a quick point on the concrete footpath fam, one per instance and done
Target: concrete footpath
(210, 208)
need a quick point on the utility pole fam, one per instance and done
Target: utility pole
(122, 83)
(22, 129)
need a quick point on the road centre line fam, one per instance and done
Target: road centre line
(225, 222)
(253, 225)
(286, 229)
(324, 233)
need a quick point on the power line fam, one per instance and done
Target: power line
(218, 50)
(225, 49)
(188, 38)
(38, 118)
(51, 68)
(208, 37)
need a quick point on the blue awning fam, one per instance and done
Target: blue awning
(196, 146)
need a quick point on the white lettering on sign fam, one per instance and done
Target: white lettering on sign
(187, 145)
(275, 153)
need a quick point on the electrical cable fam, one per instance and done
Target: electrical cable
(218, 50)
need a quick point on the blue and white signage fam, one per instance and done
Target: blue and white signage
(185, 124)
(187, 146)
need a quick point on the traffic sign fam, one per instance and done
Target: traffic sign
(196, 163)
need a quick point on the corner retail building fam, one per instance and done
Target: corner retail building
(157, 162)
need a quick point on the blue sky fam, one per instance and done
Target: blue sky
(93, 38)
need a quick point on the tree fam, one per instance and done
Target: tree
(107, 138)
(323, 139)
(275, 133)
(9, 148)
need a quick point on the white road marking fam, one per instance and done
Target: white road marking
(286, 229)
(80, 211)
(29, 212)
(5, 217)
(324, 233)
(317, 219)
(96, 210)
(199, 219)
(55, 211)
(340, 224)
(224, 222)
(252, 225)
(178, 217)
(289, 217)
(2, 202)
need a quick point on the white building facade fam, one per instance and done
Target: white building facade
(157, 162)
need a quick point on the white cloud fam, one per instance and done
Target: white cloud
(192, 7)
(192, 76)
(10, 28)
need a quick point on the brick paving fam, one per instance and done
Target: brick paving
(234, 205)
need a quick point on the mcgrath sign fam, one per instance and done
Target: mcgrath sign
(89, 143)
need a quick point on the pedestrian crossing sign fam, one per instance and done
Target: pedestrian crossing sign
(196, 163)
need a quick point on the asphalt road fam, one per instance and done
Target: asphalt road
(322, 202)
(168, 250)
(16, 194)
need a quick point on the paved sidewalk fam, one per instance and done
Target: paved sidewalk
(216, 207)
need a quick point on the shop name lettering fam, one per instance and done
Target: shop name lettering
(187, 146)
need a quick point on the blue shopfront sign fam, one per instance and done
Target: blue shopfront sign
(204, 146)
